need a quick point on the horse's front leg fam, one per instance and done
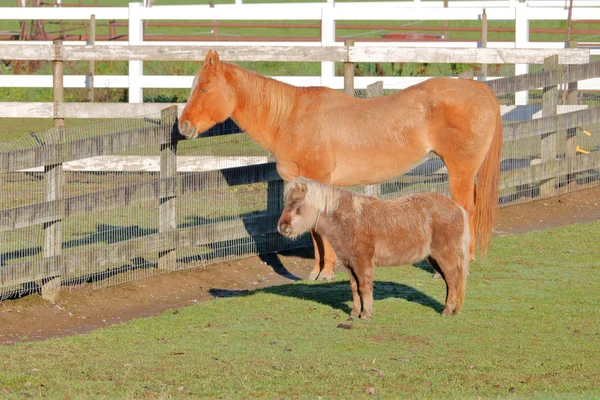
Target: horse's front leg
(324, 259)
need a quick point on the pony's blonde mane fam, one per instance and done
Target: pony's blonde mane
(325, 198)
(264, 97)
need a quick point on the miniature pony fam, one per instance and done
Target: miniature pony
(365, 232)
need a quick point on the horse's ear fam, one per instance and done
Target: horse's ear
(212, 58)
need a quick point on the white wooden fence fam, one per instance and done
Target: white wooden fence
(328, 13)
(325, 54)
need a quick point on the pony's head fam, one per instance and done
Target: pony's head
(305, 199)
(211, 100)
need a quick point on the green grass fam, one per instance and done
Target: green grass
(530, 329)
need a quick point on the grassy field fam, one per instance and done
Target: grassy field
(530, 329)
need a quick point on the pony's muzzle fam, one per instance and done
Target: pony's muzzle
(188, 130)
(284, 228)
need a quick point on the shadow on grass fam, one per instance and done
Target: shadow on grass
(337, 294)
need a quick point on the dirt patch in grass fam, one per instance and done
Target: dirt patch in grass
(83, 309)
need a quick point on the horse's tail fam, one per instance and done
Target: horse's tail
(463, 262)
(486, 188)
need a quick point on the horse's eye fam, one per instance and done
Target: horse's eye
(204, 90)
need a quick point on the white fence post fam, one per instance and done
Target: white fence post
(327, 39)
(521, 42)
(136, 68)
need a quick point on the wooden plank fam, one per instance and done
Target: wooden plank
(540, 172)
(197, 53)
(540, 126)
(97, 259)
(454, 55)
(294, 53)
(102, 145)
(538, 80)
(14, 109)
(25, 52)
(120, 197)
(112, 110)
(549, 141)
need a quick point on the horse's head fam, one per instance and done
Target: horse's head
(299, 214)
(211, 100)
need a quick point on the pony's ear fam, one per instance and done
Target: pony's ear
(212, 58)
(299, 192)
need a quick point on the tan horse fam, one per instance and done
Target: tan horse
(366, 232)
(328, 136)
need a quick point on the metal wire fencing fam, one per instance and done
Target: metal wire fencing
(128, 202)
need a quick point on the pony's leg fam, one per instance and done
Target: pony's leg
(462, 190)
(314, 274)
(451, 277)
(324, 259)
(356, 302)
(364, 274)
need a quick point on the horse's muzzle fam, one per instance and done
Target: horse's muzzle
(188, 130)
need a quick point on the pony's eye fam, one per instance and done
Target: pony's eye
(204, 89)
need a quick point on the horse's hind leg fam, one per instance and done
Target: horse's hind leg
(462, 190)
(324, 259)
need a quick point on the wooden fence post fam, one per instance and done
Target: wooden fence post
(167, 256)
(374, 90)
(349, 72)
(484, 38)
(53, 181)
(91, 42)
(549, 140)
(571, 98)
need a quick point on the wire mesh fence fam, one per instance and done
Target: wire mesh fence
(124, 213)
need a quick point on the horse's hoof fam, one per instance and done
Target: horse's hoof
(355, 313)
(313, 276)
(323, 276)
(437, 275)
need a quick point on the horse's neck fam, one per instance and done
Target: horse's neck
(262, 105)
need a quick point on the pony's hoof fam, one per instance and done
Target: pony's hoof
(448, 312)
(355, 313)
(313, 276)
(366, 315)
(323, 276)
(437, 275)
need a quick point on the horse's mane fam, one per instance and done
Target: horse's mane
(265, 97)
(325, 198)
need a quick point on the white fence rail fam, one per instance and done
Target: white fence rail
(328, 14)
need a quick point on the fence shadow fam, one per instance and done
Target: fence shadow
(337, 294)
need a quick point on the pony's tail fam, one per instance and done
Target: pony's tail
(463, 263)
(486, 189)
